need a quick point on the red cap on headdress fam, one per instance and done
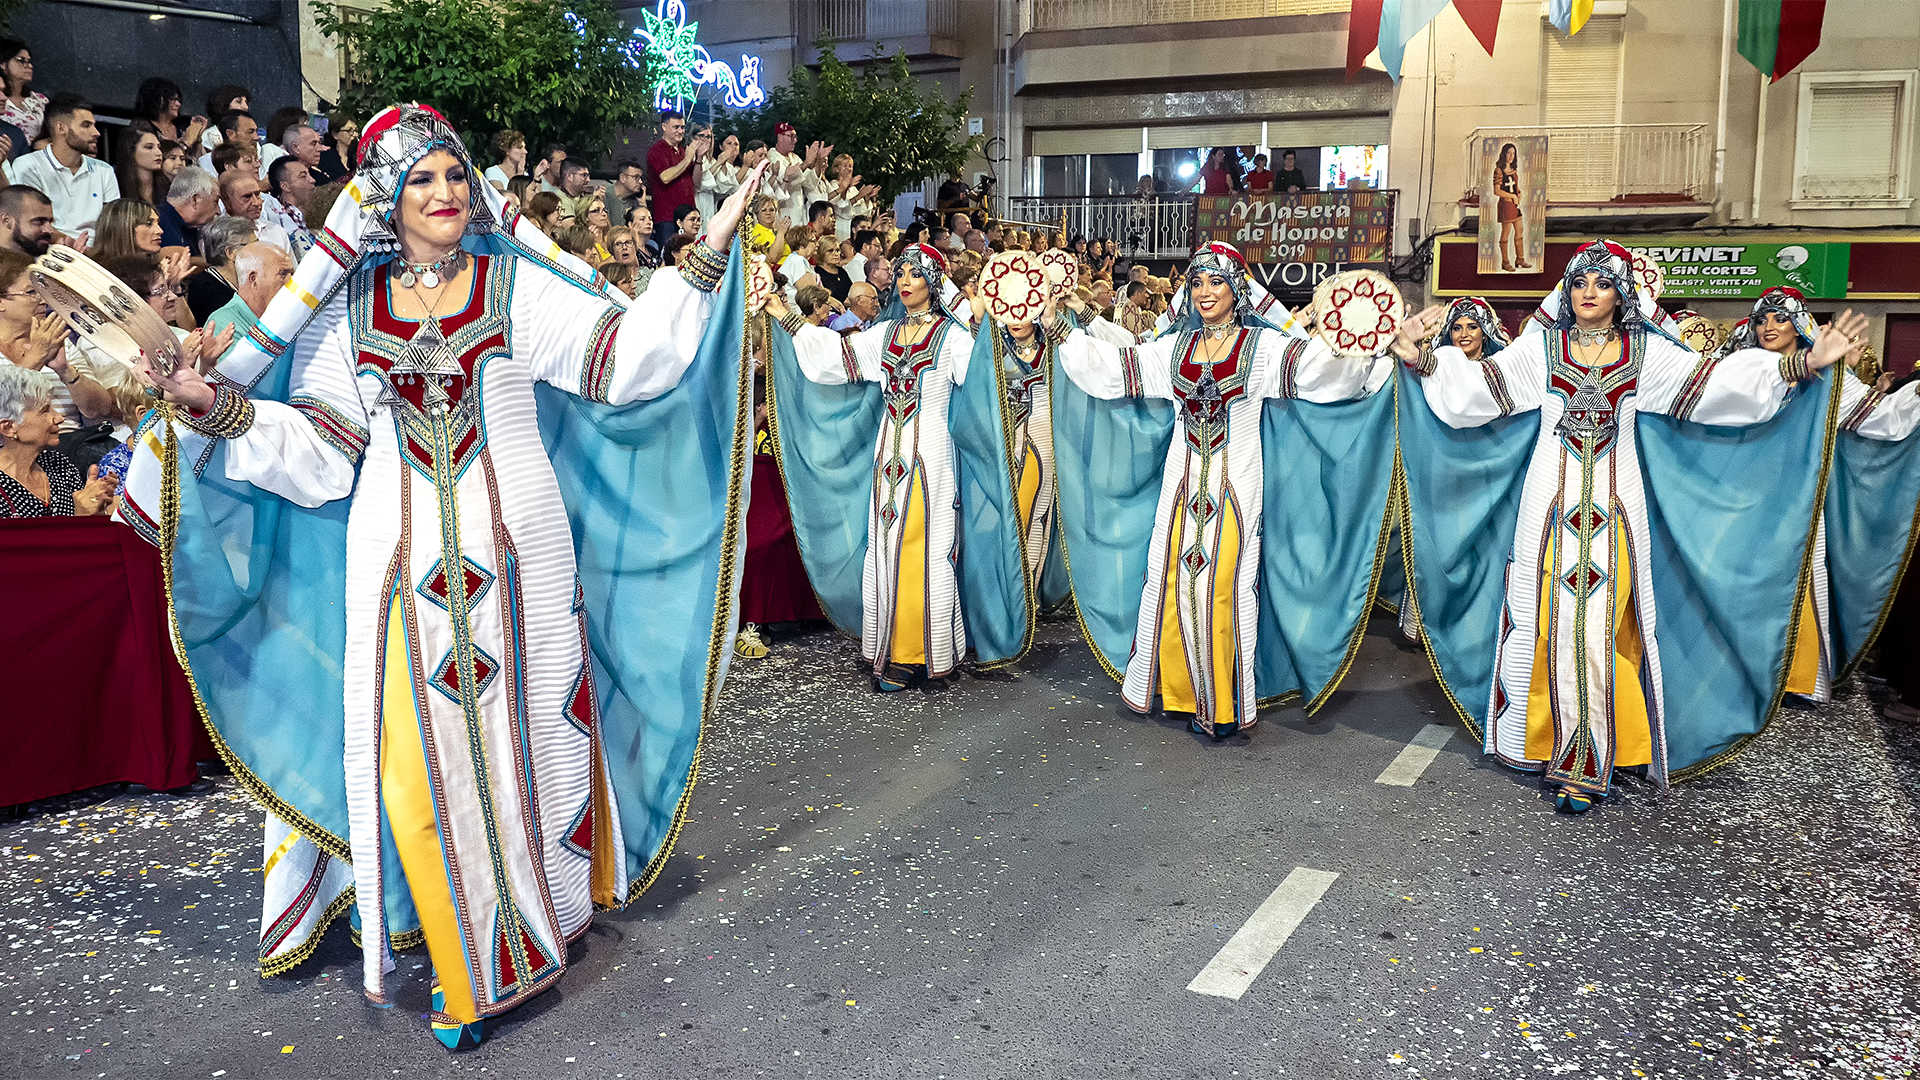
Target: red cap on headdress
(933, 253)
(1788, 290)
(384, 121)
(1219, 247)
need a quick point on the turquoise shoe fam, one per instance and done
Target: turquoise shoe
(452, 1034)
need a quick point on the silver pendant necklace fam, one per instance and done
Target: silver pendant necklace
(428, 273)
(1599, 336)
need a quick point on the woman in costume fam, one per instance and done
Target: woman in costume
(926, 519)
(1471, 326)
(1506, 189)
(1176, 455)
(1574, 688)
(1870, 505)
(413, 497)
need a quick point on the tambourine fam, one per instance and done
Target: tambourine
(1015, 285)
(1063, 271)
(1699, 333)
(760, 284)
(1357, 313)
(100, 308)
(1647, 275)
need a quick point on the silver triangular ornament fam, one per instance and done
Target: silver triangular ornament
(428, 353)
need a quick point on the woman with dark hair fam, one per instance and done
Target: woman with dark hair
(1506, 189)
(138, 162)
(158, 103)
(1214, 177)
(1606, 557)
(342, 133)
(127, 226)
(222, 100)
(510, 158)
(23, 108)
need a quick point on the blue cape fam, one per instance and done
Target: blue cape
(1873, 520)
(656, 496)
(824, 437)
(1328, 477)
(1730, 545)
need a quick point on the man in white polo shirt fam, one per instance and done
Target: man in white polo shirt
(75, 182)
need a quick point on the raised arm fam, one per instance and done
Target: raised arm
(581, 341)
(1743, 387)
(1106, 370)
(1466, 393)
(1873, 414)
(1285, 366)
(830, 358)
(305, 450)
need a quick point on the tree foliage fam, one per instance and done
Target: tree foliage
(900, 131)
(556, 70)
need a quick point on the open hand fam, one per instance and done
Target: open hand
(1845, 338)
(1416, 329)
(725, 220)
(185, 386)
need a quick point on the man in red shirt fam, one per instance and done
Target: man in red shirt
(673, 168)
(1260, 179)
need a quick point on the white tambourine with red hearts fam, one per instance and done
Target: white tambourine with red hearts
(1016, 286)
(1357, 313)
(1648, 276)
(1063, 271)
(760, 285)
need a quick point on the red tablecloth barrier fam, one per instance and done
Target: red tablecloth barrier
(94, 695)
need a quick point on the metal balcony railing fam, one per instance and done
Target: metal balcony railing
(1158, 228)
(1614, 163)
(1093, 14)
(876, 20)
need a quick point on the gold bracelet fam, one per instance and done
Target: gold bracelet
(228, 418)
(703, 267)
(1794, 366)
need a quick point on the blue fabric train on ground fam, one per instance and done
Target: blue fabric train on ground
(1242, 471)
(486, 560)
(1593, 492)
(894, 451)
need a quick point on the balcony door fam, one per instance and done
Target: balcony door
(1581, 104)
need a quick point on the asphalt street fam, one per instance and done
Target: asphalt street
(1015, 877)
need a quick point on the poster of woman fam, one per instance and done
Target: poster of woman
(1513, 203)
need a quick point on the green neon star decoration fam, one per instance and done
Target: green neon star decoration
(670, 44)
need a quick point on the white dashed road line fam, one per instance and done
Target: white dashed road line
(1417, 755)
(1248, 951)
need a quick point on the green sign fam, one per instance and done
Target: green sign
(1741, 271)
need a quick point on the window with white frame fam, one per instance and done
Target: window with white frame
(1854, 138)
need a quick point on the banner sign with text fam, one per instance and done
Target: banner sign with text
(1345, 228)
(1743, 271)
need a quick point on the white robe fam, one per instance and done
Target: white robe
(1211, 466)
(476, 482)
(914, 445)
(1744, 388)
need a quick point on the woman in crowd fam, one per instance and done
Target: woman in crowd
(544, 209)
(37, 342)
(1546, 535)
(138, 163)
(435, 624)
(620, 276)
(686, 220)
(850, 196)
(127, 226)
(36, 479)
(1215, 179)
(622, 248)
(938, 457)
(334, 165)
(591, 211)
(212, 286)
(830, 266)
(720, 175)
(510, 158)
(157, 102)
(20, 105)
(676, 250)
(1227, 619)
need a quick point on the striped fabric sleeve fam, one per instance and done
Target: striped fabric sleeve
(333, 426)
